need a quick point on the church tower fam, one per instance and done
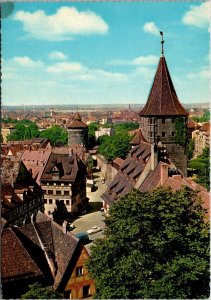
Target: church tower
(77, 131)
(163, 118)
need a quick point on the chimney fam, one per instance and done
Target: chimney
(164, 173)
(154, 157)
(64, 227)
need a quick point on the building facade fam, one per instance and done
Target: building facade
(21, 196)
(64, 180)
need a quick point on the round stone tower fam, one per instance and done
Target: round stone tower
(77, 131)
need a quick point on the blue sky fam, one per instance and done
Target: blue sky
(91, 52)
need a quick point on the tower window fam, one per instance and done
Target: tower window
(173, 133)
(163, 134)
(163, 121)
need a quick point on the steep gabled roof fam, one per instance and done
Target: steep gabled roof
(163, 100)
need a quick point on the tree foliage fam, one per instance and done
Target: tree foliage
(190, 148)
(156, 246)
(204, 118)
(201, 165)
(24, 130)
(126, 126)
(36, 291)
(55, 134)
(91, 133)
(114, 146)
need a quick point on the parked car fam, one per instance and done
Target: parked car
(83, 237)
(93, 230)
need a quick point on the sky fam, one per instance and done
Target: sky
(103, 53)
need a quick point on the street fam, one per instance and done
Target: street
(93, 217)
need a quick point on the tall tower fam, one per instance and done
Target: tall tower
(77, 131)
(163, 118)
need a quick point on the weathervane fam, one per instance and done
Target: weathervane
(162, 42)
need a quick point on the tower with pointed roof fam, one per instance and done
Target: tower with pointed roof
(77, 131)
(161, 114)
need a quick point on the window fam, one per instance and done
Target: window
(79, 271)
(50, 201)
(163, 134)
(163, 121)
(173, 133)
(58, 192)
(66, 193)
(49, 212)
(86, 291)
(50, 192)
(45, 201)
(67, 202)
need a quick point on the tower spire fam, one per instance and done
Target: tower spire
(162, 42)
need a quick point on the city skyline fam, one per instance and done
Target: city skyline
(103, 53)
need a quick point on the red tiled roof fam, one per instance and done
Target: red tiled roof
(163, 100)
(130, 169)
(68, 165)
(192, 124)
(205, 127)
(138, 138)
(77, 122)
(16, 261)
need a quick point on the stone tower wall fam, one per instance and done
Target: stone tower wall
(78, 136)
(162, 129)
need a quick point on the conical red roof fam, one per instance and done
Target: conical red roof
(163, 100)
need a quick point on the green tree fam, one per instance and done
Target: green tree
(24, 130)
(190, 148)
(36, 291)
(91, 133)
(126, 126)
(55, 134)
(114, 146)
(156, 246)
(204, 118)
(201, 165)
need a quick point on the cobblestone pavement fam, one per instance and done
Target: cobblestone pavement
(93, 217)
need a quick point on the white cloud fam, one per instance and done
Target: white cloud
(203, 73)
(145, 60)
(62, 25)
(57, 55)
(198, 16)
(64, 67)
(150, 27)
(141, 60)
(25, 61)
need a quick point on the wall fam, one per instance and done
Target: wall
(75, 286)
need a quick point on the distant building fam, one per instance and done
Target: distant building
(201, 137)
(5, 131)
(77, 131)
(44, 252)
(192, 126)
(104, 131)
(64, 179)
(161, 113)
(21, 196)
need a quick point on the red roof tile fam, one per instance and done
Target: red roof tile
(163, 100)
